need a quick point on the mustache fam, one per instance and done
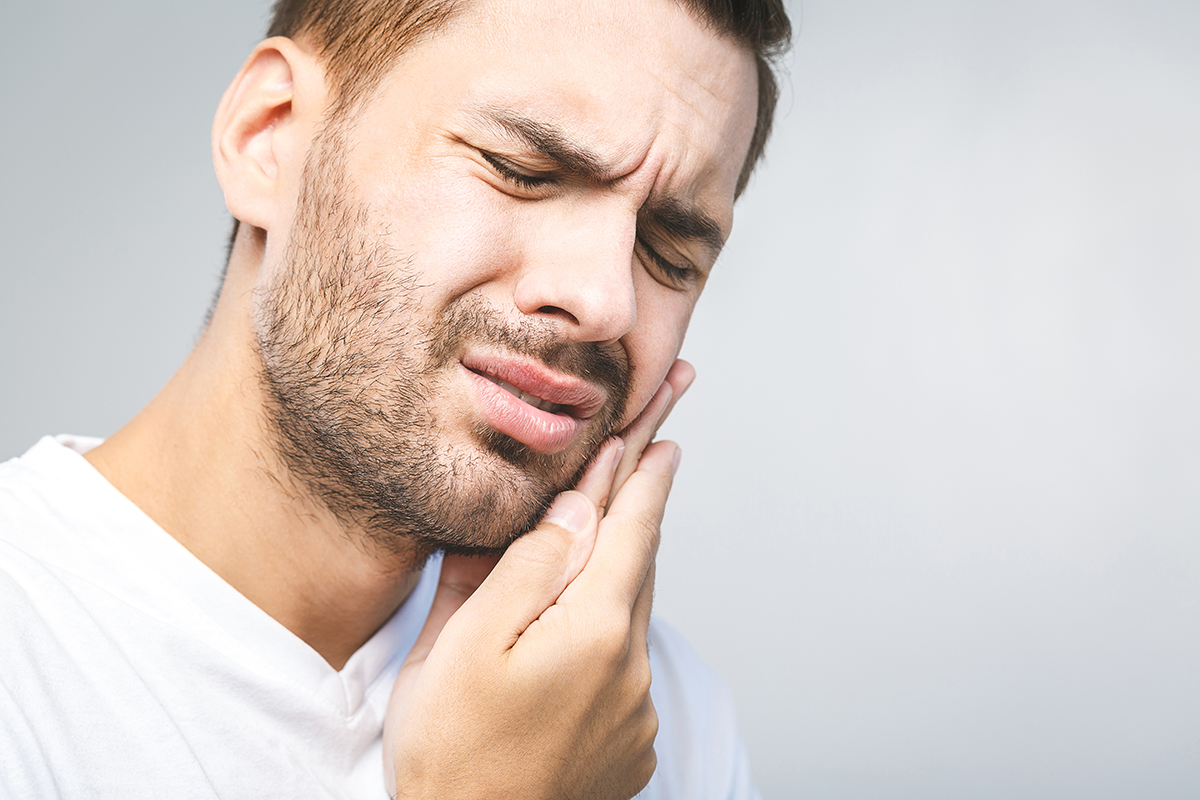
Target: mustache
(472, 319)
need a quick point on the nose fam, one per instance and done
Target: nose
(580, 273)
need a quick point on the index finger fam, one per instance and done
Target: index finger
(639, 432)
(628, 537)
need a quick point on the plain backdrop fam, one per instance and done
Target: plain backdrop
(938, 521)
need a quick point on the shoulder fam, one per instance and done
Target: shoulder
(700, 753)
(39, 487)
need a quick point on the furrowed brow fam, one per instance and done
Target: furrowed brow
(668, 214)
(551, 142)
(674, 218)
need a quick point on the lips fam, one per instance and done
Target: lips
(525, 377)
(539, 407)
(526, 397)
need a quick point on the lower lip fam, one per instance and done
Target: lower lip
(537, 429)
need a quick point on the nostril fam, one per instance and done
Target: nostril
(555, 311)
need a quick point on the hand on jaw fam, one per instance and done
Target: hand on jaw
(531, 677)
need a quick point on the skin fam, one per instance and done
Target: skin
(664, 111)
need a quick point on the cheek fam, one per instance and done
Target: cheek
(447, 227)
(654, 345)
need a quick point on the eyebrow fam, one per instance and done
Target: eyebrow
(686, 222)
(551, 142)
(671, 215)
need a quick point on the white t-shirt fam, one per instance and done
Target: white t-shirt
(128, 669)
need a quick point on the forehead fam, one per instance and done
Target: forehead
(659, 96)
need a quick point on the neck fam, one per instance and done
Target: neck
(199, 461)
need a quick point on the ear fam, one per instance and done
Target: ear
(263, 128)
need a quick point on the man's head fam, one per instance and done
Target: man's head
(480, 250)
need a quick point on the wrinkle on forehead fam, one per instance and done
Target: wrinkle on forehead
(666, 32)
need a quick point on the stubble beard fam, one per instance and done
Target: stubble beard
(351, 373)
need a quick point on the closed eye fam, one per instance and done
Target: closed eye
(678, 276)
(507, 170)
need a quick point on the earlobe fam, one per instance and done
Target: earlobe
(260, 135)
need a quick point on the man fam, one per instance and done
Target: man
(470, 235)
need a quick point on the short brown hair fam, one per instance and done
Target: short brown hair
(360, 39)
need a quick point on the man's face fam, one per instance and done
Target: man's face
(492, 264)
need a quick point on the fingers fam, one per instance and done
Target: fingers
(680, 376)
(534, 571)
(641, 431)
(628, 537)
(597, 482)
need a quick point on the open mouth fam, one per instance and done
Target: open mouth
(526, 397)
(542, 408)
(537, 386)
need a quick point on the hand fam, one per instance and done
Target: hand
(639, 433)
(531, 677)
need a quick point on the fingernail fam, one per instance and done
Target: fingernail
(616, 459)
(668, 392)
(571, 510)
(675, 459)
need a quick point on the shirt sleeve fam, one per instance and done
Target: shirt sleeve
(700, 753)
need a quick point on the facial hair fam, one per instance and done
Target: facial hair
(352, 368)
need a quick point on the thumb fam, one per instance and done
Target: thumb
(536, 568)
(460, 577)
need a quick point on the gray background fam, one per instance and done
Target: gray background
(938, 518)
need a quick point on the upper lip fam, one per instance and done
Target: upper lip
(580, 398)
